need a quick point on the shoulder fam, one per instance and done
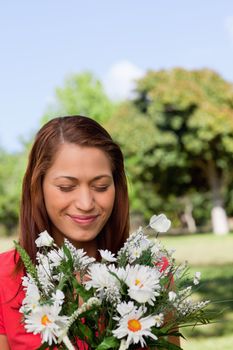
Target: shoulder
(10, 281)
(8, 261)
(9, 257)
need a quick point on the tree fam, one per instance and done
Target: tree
(156, 173)
(81, 94)
(193, 112)
(12, 167)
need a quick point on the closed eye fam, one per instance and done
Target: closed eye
(101, 188)
(66, 188)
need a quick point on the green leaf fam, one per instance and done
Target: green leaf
(68, 254)
(108, 343)
(177, 334)
(81, 290)
(30, 267)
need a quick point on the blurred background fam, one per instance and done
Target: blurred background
(159, 76)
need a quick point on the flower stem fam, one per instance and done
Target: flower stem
(67, 343)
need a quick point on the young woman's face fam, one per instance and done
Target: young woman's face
(79, 194)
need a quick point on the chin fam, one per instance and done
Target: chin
(82, 238)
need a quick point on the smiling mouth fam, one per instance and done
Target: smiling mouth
(83, 219)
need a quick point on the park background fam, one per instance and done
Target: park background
(158, 75)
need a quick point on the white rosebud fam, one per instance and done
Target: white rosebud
(172, 296)
(160, 223)
(197, 278)
(44, 240)
(107, 255)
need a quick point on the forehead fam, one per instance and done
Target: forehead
(78, 160)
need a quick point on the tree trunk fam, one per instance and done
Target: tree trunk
(191, 224)
(218, 213)
(186, 217)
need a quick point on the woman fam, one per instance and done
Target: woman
(74, 187)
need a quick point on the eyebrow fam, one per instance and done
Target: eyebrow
(72, 178)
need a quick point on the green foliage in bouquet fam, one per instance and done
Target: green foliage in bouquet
(136, 298)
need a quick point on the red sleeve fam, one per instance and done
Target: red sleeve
(2, 327)
(6, 267)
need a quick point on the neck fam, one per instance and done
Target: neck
(89, 247)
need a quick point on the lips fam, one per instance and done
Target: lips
(83, 219)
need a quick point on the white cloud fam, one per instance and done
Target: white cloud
(229, 25)
(119, 81)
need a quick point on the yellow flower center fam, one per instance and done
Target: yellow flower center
(45, 320)
(138, 283)
(134, 325)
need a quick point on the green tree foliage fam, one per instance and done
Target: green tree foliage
(135, 135)
(192, 116)
(149, 163)
(81, 94)
(11, 172)
(176, 135)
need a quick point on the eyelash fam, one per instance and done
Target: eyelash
(101, 189)
(70, 188)
(66, 188)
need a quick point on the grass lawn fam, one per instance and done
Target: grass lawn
(213, 256)
(201, 249)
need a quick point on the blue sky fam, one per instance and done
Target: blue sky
(43, 42)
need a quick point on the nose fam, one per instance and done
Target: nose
(84, 199)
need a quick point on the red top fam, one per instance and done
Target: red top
(11, 296)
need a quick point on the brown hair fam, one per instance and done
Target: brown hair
(82, 131)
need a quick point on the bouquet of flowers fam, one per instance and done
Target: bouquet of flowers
(134, 299)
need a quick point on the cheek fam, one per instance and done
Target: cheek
(53, 200)
(56, 204)
(109, 200)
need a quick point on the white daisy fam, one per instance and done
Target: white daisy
(44, 240)
(137, 246)
(32, 297)
(80, 258)
(44, 272)
(159, 320)
(143, 283)
(106, 255)
(44, 261)
(58, 297)
(45, 320)
(132, 241)
(55, 257)
(103, 279)
(125, 308)
(135, 327)
(100, 277)
(134, 253)
(121, 273)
